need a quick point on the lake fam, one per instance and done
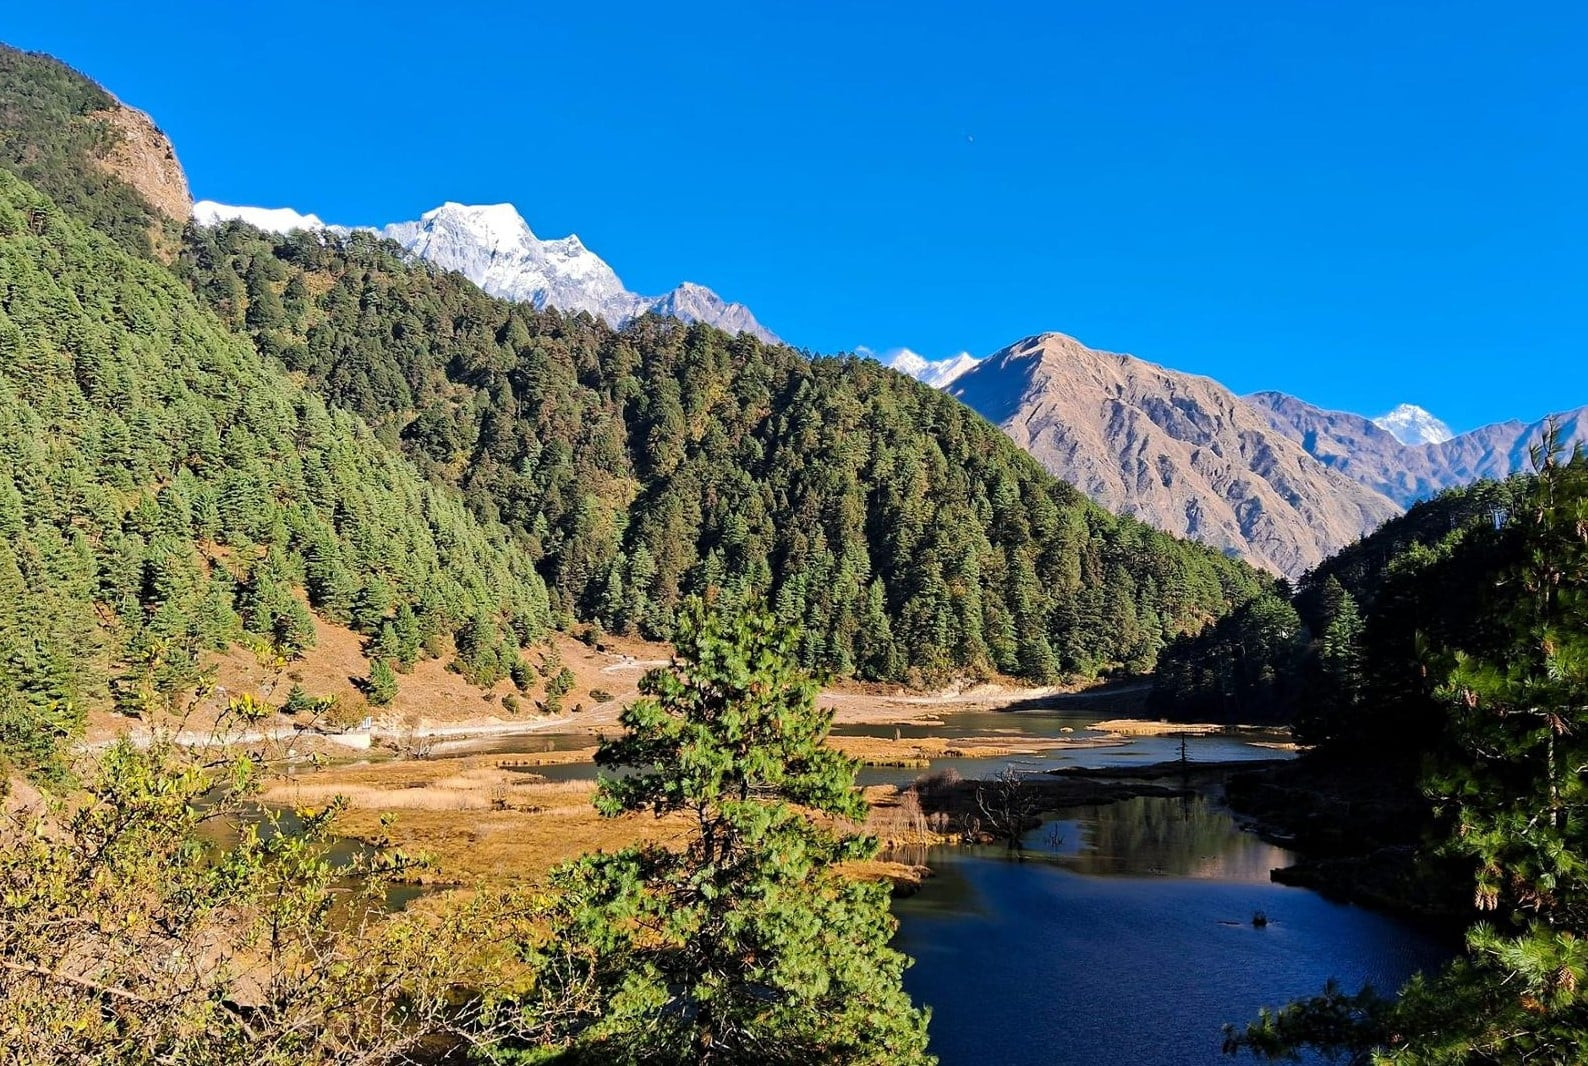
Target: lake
(1126, 938)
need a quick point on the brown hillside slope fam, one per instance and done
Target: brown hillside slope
(1179, 451)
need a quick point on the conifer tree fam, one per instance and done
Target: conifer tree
(745, 946)
(381, 687)
(1513, 784)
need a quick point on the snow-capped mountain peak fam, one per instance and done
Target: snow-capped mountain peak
(493, 246)
(271, 219)
(496, 226)
(1411, 424)
(696, 303)
(937, 373)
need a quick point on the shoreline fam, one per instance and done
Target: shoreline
(850, 706)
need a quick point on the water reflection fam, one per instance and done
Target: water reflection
(1088, 747)
(1129, 942)
(1148, 836)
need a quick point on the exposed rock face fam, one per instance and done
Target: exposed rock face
(1373, 457)
(1178, 451)
(142, 156)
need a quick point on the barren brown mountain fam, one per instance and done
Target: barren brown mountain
(1179, 451)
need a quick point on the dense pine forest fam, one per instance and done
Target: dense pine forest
(186, 469)
(163, 494)
(903, 533)
(1316, 655)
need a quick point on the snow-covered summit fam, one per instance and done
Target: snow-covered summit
(1410, 424)
(271, 219)
(492, 246)
(696, 303)
(938, 373)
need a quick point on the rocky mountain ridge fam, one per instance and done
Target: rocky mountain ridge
(1372, 456)
(492, 246)
(1175, 450)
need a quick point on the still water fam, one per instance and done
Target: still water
(1033, 729)
(1126, 939)
(1089, 746)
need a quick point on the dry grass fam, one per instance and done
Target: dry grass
(919, 751)
(492, 847)
(1141, 727)
(488, 818)
(475, 818)
(905, 877)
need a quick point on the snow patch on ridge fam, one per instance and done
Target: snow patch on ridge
(270, 219)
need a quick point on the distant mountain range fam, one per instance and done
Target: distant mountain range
(492, 246)
(938, 373)
(1178, 451)
(1267, 477)
(1372, 456)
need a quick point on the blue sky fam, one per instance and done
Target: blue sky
(1357, 202)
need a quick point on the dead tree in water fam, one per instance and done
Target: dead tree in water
(1009, 804)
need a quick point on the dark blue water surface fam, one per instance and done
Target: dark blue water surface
(1127, 940)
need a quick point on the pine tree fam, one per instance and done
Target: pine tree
(381, 685)
(1510, 781)
(746, 946)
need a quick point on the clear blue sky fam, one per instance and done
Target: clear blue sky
(1356, 202)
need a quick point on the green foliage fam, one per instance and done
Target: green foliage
(1368, 611)
(161, 490)
(745, 945)
(52, 137)
(1244, 668)
(381, 685)
(1500, 653)
(298, 701)
(905, 536)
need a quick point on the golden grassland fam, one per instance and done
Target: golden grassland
(487, 819)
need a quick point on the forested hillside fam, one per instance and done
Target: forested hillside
(1463, 688)
(902, 532)
(908, 538)
(163, 492)
(1340, 642)
(57, 130)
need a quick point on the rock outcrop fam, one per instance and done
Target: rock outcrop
(141, 155)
